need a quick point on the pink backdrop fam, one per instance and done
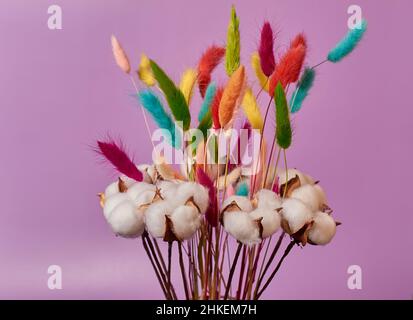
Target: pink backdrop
(60, 90)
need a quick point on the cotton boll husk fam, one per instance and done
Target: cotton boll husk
(186, 220)
(155, 217)
(268, 199)
(112, 202)
(282, 176)
(126, 221)
(199, 193)
(310, 195)
(135, 191)
(322, 198)
(242, 227)
(296, 214)
(145, 198)
(243, 203)
(323, 229)
(270, 222)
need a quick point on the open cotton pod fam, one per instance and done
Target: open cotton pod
(123, 216)
(270, 220)
(185, 221)
(291, 173)
(242, 227)
(237, 203)
(310, 195)
(149, 172)
(323, 229)
(155, 219)
(136, 190)
(295, 215)
(120, 185)
(267, 199)
(167, 188)
(194, 191)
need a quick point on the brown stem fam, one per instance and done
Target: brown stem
(241, 274)
(158, 276)
(270, 260)
(261, 140)
(169, 263)
(231, 273)
(181, 262)
(151, 247)
(286, 252)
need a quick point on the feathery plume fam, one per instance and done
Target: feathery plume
(155, 108)
(256, 65)
(117, 156)
(288, 69)
(215, 107)
(120, 56)
(211, 214)
(232, 53)
(303, 87)
(206, 104)
(299, 40)
(173, 95)
(208, 62)
(346, 45)
(231, 96)
(145, 73)
(187, 84)
(266, 49)
(252, 110)
(282, 117)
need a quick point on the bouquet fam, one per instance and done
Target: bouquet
(228, 200)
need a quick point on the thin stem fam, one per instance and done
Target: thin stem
(181, 262)
(275, 169)
(158, 276)
(319, 64)
(231, 273)
(262, 88)
(270, 260)
(169, 263)
(241, 273)
(143, 113)
(286, 173)
(261, 141)
(269, 163)
(286, 252)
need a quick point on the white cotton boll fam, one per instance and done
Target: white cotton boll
(112, 189)
(135, 191)
(309, 179)
(296, 214)
(322, 198)
(112, 202)
(148, 171)
(268, 199)
(323, 229)
(168, 189)
(145, 198)
(155, 218)
(126, 221)
(282, 176)
(271, 220)
(199, 193)
(242, 227)
(243, 203)
(309, 195)
(127, 181)
(185, 220)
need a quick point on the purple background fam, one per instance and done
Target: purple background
(60, 90)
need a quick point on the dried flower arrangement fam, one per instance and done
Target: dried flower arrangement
(205, 204)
